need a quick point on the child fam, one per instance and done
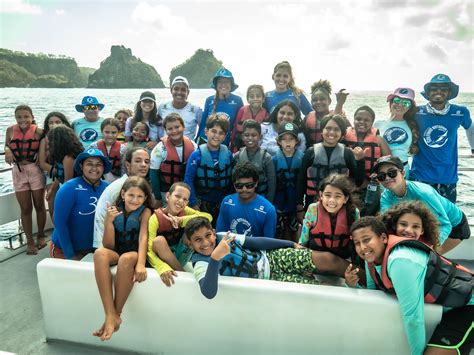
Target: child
(124, 245)
(327, 158)
(146, 112)
(87, 128)
(110, 147)
(285, 111)
(414, 272)
(121, 116)
(169, 157)
(167, 250)
(140, 137)
(52, 119)
(237, 255)
(22, 142)
(208, 171)
(223, 103)
(287, 164)
(285, 89)
(259, 157)
(327, 222)
(412, 219)
(320, 101)
(254, 110)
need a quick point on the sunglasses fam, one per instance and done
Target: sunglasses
(247, 185)
(90, 107)
(391, 173)
(443, 89)
(404, 102)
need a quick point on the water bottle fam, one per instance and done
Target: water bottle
(371, 193)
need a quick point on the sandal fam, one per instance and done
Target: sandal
(31, 250)
(41, 243)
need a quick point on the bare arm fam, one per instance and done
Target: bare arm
(140, 270)
(68, 165)
(385, 149)
(42, 156)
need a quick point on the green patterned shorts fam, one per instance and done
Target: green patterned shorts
(292, 265)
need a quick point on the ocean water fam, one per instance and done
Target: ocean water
(43, 101)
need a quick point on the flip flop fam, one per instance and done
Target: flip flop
(31, 251)
(41, 243)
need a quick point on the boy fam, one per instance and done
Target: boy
(87, 128)
(167, 250)
(454, 226)
(262, 160)
(287, 164)
(208, 171)
(246, 212)
(436, 162)
(415, 273)
(238, 255)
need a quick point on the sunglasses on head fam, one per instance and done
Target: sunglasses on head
(90, 107)
(247, 185)
(391, 173)
(404, 102)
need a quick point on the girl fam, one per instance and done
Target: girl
(320, 101)
(254, 110)
(285, 111)
(325, 158)
(124, 245)
(121, 116)
(146, 112)
(401, 131)
(169, 157)
(223, 103)
(140, 136)
(22, 142)
(52, 119)
(412, 219)
(285, 89)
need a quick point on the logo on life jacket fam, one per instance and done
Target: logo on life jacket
(436, 136)
(395, 135)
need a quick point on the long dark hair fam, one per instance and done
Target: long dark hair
(273, 116)
(63, 142)
(154, 119)
(142, 184)
(57, 114)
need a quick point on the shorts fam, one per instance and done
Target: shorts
(182, 252)
(462, 230)
(292, 265)
(30, 178)
(446, 190)
(455, 331)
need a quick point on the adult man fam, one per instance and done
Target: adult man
(190, 113)
(436, 163)
(87, 128)
(137, 162)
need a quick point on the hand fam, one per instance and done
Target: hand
(112, 213)
(167, 277)
(175, 221)
(351, 276)
(298, 246)
(150, 145)
(358, 153)
(341, 96)
(223, 248)
(140, 273)
(9, 157)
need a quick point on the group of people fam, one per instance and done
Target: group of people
(256, 191)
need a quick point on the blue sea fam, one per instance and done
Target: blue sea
(43, 101)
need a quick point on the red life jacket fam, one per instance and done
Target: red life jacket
(313, 128)
(247, 114)
(24, 146)
(446, 282)
(370, 145)
(114, 156)
(323, 238)
(172, 169)
(165, 228)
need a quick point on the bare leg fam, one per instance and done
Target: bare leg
(38, 202)
(162, 249)
(449, 244)
(328, 262)
(432, 350)
(103, 258)
(26, 207)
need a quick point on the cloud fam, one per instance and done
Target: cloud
(405, 63)
(418, 20)
(60, 12)
(337, 43)
(19, 7)
(436, 51)
(287, 10)
(158, 16)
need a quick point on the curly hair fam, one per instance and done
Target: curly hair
(322, 85)
(63, 142)
(57, 114)
(243, 170)
(429, 222)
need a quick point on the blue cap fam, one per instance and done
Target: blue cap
(91, 153)
(441, 79)
(224, 73)
(87, 101)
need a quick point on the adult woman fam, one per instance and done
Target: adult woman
(75, 206)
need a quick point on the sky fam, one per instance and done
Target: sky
(357, 45)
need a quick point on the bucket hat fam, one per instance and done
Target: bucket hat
(224, 73)
(441, 79)
(403, 93)
(87, 101)
(91, 153)
(387, 159)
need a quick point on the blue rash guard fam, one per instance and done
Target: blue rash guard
(272, 98)
(74, 210)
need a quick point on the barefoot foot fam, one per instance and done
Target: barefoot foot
(41, 243)
(111, 325)
(99, 332)
(31, 248)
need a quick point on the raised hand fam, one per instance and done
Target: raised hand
(351, 276)
(223, 248)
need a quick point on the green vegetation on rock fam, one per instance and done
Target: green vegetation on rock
(13, 75)
(199, 69)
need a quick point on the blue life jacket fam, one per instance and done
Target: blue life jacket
(262, 187)
(210, 177)
(286, 179)
(240, 262)
(127, 231)
(59, 175)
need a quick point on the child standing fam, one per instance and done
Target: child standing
(252, 152)
(22, 142)
(168, 250)
(285, 89)
(124, 245)
(87, 128)
(254, 110)
(208, 172)
(121, 116)
(287, 164)
(169, 157)
(223, 103)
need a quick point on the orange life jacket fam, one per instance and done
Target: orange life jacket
(165, 228)
(313, 128)
(114, 156)
(172, 169)
(370, 145)
(247, 114)
(24, 146)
